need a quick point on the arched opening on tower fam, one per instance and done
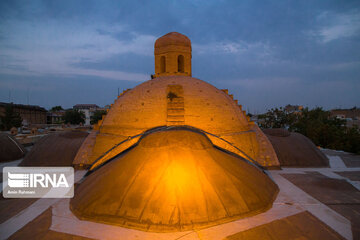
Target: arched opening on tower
(162, 64)
(181, 63)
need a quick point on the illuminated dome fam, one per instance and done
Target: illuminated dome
(173, 180)
(183, 100)
(173, 97)
(174, 100)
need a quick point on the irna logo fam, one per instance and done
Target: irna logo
(38, 182)
(33, 180)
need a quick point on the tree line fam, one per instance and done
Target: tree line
(317, 124)
(11, 118)
(74, 116)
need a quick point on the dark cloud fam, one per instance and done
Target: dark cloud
(48, 91)
(127, 62)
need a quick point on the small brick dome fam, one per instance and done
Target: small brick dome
(173, 38)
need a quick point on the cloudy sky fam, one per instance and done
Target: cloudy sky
(267, 53)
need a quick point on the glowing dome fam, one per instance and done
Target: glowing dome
(182, 100)
(173, 181)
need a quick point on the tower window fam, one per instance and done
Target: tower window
(162, 64)
(181, 63)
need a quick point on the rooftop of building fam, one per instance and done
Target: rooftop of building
(185, 162)
(23, 106)
(85, 106)
(313, 203)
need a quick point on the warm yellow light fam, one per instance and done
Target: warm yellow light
(178, 176)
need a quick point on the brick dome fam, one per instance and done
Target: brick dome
(173, 98)
(183, 100)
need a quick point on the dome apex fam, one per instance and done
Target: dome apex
(172, 55)
(173, 38)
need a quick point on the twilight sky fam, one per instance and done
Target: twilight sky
(267, 53)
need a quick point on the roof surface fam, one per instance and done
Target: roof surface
(85, 106)
(10, 148)
(56, 149)
(22, 106)
(313, 203)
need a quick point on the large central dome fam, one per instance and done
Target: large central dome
(183, 100)
(173, 97)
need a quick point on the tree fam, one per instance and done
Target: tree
(351, 140)
(97, 116)
(10, 118)
(276, 118)
(74, 116)
(56, 109)
(323, 130)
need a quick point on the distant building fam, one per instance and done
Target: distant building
(30, 114)
(88, 110)
(55, 117)
(353, 113)
(352, 116)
